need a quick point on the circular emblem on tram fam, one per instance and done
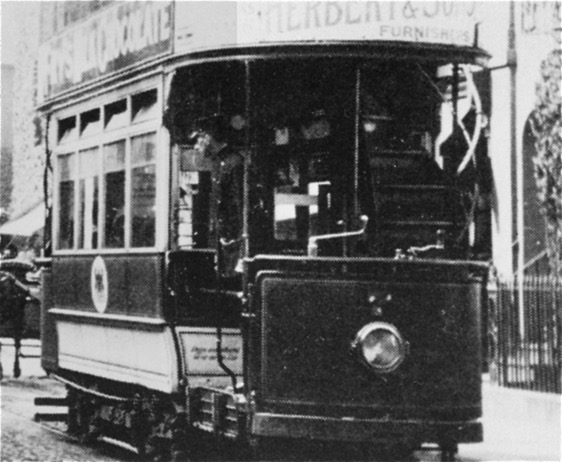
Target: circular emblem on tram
(99, 284)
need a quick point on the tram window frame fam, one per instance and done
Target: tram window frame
(66, 175)
(73, 138)
(84, 174)
(148, 168)
(116, 169)
(213, 91)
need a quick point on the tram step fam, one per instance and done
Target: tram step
(50, 401)
(50, 417)
(216, 412)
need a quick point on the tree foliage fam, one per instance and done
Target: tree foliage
(547, 125)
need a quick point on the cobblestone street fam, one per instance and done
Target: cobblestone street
(24, 439)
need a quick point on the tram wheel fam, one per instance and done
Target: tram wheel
(81, 416)
(449, 451)
(260, 449)
(399, 451)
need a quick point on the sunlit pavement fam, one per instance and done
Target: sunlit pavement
(518, 425)
(30, 363)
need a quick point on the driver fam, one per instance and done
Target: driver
(227, 187)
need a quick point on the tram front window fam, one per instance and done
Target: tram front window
(342, 139)
(303, 113)
(323, 142)
(407, 180)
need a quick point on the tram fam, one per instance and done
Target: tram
(267, 235)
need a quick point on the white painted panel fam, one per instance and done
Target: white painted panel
(142, 357)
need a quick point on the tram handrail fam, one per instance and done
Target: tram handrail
(312, 248)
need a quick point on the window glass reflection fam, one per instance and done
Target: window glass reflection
(66, 201)
(143, 191)
(114, 184)
(88, 199)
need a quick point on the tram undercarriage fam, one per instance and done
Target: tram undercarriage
(314, 385)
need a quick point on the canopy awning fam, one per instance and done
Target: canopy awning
(26, 224)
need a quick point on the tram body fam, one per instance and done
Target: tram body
(321, 287)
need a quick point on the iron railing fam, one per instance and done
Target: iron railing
(525, 334)
(539, 265)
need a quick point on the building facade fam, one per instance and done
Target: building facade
(519, 36)
(7, 141)
(22, 161)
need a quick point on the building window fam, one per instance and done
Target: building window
(116, 115)
(114, 188)
(144, 106)
(143, 190)
(88, 191)
(66, 169)
(67, 129)
(90, 123)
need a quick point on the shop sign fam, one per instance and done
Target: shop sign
(253, 23)
(116, 38)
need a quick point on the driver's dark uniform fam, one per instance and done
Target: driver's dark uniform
(226, 206)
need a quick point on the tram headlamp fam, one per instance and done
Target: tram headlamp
(380, 346)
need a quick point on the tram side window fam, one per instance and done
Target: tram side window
(88, 190)
(66, 168)
(114, 187)
(143, 190)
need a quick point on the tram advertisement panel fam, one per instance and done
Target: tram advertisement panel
(122, 35)
(205, 25)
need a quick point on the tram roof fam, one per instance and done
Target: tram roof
(367, 50)
(131, 40)
(360, 50)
